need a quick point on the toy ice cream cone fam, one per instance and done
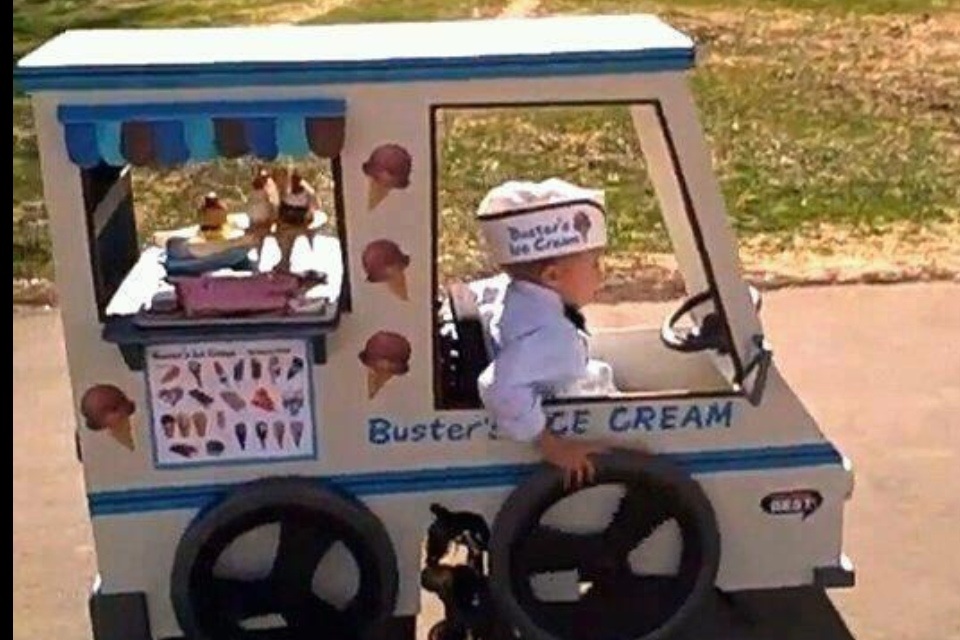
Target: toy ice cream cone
(376, 192)
(122, 432)
(397, 283)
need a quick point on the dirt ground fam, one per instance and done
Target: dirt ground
(878, 366)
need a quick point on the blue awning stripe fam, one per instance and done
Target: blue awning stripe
(200, 139)
(109, 142)
(82, 144)
(261, 137)
(169, 145)
(292, 136)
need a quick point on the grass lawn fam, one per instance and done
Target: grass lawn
(838, 112)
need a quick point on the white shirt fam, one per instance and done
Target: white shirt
(539, 352)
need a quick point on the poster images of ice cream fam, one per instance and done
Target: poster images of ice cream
(386, 355)
(384, 262)
(387, 168)
(223, 402)
(106, 408)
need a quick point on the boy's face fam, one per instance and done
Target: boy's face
(575, 277)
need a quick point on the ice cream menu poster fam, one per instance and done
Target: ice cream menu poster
(230, 402)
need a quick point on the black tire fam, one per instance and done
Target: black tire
(520, 514)
(255, 504)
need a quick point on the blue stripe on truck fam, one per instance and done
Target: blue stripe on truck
(108, 503)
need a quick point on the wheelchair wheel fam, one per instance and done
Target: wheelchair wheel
(614, 599)
(311, 520)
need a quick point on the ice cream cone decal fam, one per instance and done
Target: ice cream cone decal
(388, 168)
(383, 261)
(386, 355)
(377, 191)
(376, 378)
(397, 283)
(106, 407)
(122, 432)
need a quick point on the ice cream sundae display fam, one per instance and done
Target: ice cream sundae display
(220, 267)
(387, 168)
(213, 218)
(210, 400)
(262, 205)
(387, 354)
(298, 204)
(106, 408)
(383, 261)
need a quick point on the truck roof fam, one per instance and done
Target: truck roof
(348, 53)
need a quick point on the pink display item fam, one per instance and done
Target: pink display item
(208, 296)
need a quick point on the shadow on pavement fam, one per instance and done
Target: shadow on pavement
(782, 614)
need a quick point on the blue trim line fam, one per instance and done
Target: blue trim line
(106, 503)
(319, 72)
(83, 113)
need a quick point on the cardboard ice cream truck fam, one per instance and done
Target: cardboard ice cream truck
(277, 407)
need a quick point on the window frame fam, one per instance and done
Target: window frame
(704, 264)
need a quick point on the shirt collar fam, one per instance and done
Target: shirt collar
(538, 293)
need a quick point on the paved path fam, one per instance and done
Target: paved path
(878, 366)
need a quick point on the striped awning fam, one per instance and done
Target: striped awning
(172, 133)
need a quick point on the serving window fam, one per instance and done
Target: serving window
(212, 213)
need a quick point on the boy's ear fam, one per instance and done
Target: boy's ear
(550, 273)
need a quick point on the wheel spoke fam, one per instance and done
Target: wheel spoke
(302, 545)
(641, 510)
(650, 597)
(312, 615)
(547, 549)
(631, 606)
(242, 599)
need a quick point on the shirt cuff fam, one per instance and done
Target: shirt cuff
(525, 427)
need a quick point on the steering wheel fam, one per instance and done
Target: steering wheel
(709, 334)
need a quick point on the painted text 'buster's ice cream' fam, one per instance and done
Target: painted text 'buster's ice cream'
(387, 354)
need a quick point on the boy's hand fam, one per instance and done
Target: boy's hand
(571, 456)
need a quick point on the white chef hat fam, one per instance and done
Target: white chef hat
(527, 221)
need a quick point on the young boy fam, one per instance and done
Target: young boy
(549, 238)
